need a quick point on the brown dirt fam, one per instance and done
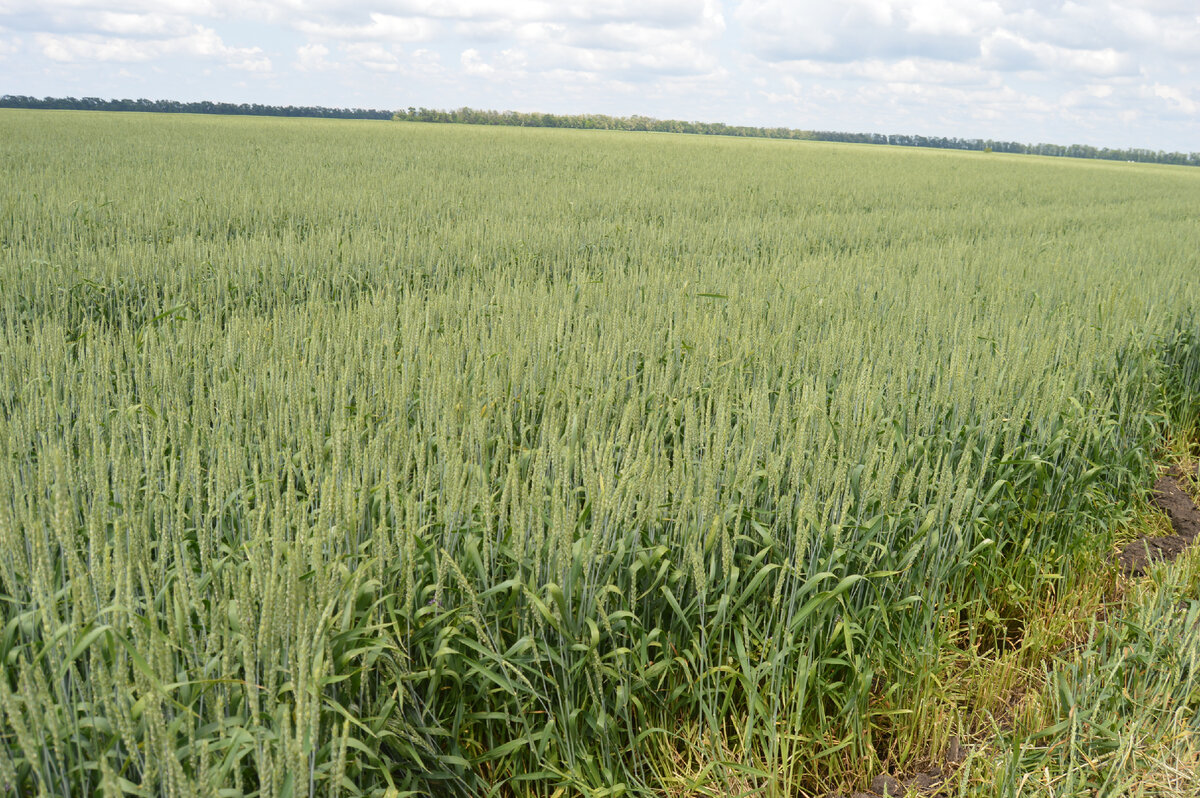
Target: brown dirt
(1178, 506)
(1137, 558)
(927, 782)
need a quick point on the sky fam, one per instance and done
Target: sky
(1118, 73)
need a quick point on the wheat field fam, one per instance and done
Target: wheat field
(380, 458)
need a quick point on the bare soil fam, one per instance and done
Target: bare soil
(1140, 555)
(928, 781)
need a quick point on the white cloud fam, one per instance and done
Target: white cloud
(1005, 50)
(473, 63)
(189, 8)
(1102, 37)
(123, 24)
(673, 58)
(255, 64)
(312, 58)
(939, 18)
(382, 27)
(501, 29)
(779, 30)
(621, 40)
(8, 46)
(91, 48)
(904, 70)
(656, 13)
(1176, 99)
(1093, 96)
(372, 56)
(201, 42)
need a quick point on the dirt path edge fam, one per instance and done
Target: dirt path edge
(1139, 556)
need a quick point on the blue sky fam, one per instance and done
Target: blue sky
(1103, 72)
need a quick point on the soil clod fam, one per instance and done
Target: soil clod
(887, 786)
(926, 782)
(1137, 558)
(955, 751)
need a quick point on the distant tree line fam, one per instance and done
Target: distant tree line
(471, 116)
(177, 107)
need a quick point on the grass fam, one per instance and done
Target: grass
(1094, 697)
(1115, 714)
(359, 459)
